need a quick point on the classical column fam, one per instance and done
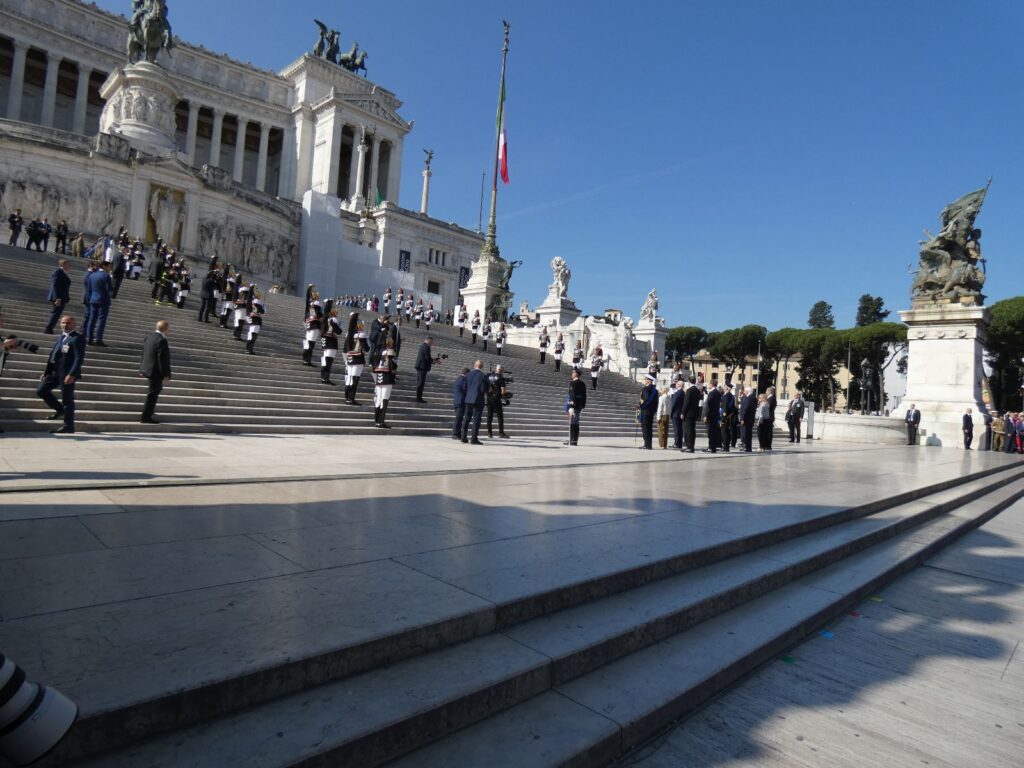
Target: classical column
(358, 200)
(236, 169)
(353, 167)
(17, 81)
(426, 190)
(374, 167)
(218, 129)
(193, 126)
(395, 171)
(50, 89)
(81, 98)
(261, 167)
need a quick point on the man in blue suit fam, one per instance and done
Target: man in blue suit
(63, 369)
(459, 402)
(60, 293)
(99, 287)
(476, 390)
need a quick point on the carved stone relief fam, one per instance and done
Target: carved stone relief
(258, 252)
(94, 207)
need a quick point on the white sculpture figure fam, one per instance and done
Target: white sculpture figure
(650, 308)
(167, 214)
(562, 274)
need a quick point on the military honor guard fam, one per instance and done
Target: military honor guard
(499, 338)
(387, 301)
(654, 365)
(559, 351)
(330, 330)
(485, 332)
(596, 364)
(428, 316)
(462, 316)
(255, 319)
(408, 308)
(384, 368)
(577, 357)
(545, 341)
(227, 295)
(417, 313)
(474, 325)
(355, 357)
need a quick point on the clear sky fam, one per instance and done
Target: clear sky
(744, 157)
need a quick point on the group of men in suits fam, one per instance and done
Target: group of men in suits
(468, 396)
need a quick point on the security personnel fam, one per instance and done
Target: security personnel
(475, 325)
(15, 222)
(63, 369)
(496, 390)
(499, 338)
(62, 238)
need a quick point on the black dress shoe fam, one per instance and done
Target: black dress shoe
(420, 400)
(148, 421)
(55, 416)
(99, 344)
(463, 439)
(65, 430)
(503, 436)
(475, 442)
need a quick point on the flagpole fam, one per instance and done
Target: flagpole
(490, 248)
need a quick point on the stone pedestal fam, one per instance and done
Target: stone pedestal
(484, 286)
(652, 335)
(140, 104)
(558, 311)
(944, 371)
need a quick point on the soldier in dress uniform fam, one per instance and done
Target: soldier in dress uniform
(228, 295)
(499, 338)
(384, 379)
(474, 325)
(428, 316)
(61, 245)
(243, 303)
(255, 321)
(387, 301)
(559, 351)
(545, 340)
(418, 312)
(330, 330)
(463, 316)
(577, 356)
(596, 364)
(407, 309)
(485, 332)
(653, 365)
(312, 318)
(355, 357)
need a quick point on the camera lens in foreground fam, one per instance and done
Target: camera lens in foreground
(33, 718)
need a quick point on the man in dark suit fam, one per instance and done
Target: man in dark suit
(712, 408)
(156, 367)
(675, 413)
(913, 422)
(648, 405)
(729, 414)
(748, 410)
(60, 293)
(576, 402)
(100, 286)
(120, 269)
(207, 294)
(63, 369)
(15, 222)
(794, 415)
(424, 362)
(690, 413)
(968, 430)
(459, 403)
(476, 392)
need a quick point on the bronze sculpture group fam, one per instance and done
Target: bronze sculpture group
(148, 31)
(951, 268)
(328, 47)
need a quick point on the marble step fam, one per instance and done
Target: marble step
(370, 718)
(601, 715)
(186, 657)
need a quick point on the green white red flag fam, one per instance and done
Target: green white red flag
(502, 134)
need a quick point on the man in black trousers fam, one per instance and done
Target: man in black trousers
(576, 402)
(748, 411)
(712, 414)
(676, 414)
(155, 366)
(913, 420)
(60, 293)
(648, 405)
(690, 413)
(476, 391)
(207, 296)
(459, 402)
(968, 430)
(424, 362)
(63, 369)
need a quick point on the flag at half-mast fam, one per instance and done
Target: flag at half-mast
(502, 133)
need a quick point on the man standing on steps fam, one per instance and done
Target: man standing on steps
(100, 286)
(15, 222)
(63, 370)
(913, 422)
(575, 404)
(60, 293)
(424, 362)
(690, 412)
(156, 367)
(968, 430)
(476, 391)
(459, 403)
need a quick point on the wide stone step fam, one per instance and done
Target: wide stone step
(190, 683)
(602, 714)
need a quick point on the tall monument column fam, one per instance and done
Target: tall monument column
(946, 327)
(358, 201)
(425, 198)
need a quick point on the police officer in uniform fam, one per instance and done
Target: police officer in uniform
(496, 390)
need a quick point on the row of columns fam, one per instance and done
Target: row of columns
(53, 63)
(215, 143)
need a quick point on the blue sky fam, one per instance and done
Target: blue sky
(744, 157)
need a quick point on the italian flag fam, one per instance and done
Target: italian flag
(502, 134)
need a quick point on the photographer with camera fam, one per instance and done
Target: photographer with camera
(498, 397)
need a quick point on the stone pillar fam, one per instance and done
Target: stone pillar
(218, 130)
(261, 167)
(395, 171)
(358, 201)
(193, 125)
(50, 89)
(353, 169)
(300, 152)
(236, 169)
(425, 199)
(289, 168)
(81, 98)
(374, 168)
(17, 81)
